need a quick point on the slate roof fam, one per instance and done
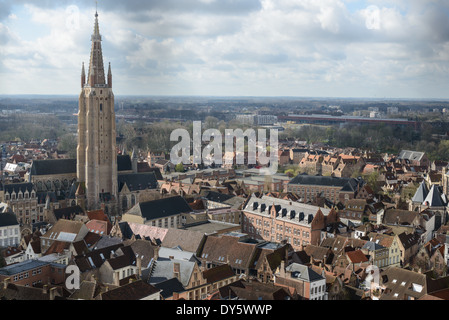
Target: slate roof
(132, 291)
(42, 196)
(254, 290)
(218, 273)
(124, 257)
(95, 258)
(304, 179)
(161, 208)
(170, 286)
(303, 272)
(408, 240)
(18, 292)
(434, 199)
(49, 167)
(137, 181)
(421, 193)
(125, 229)
(21, 267)
(68, 212)
(124, 163)
(163, 270)
(17, 187)
(8, 219)
(144, 167)
(372, 246)
(215, 196)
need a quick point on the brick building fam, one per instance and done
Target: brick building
(33, 273)
(276, 220)
(332, 188)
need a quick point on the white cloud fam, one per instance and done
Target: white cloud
(275, 47)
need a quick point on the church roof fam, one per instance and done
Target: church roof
(434, 198)
(421, 193)
(160, 208)
(49, 167)
(124, 163)
(137, 181)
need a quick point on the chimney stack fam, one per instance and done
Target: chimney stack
(139, 266)
(6, 282)
(177, 270)
(53, 293)
(116, 279)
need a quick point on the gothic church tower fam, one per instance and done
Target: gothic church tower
(96, 152)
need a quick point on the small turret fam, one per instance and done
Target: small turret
(83, 76)
(109, 76)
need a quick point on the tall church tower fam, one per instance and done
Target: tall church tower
(96, 152)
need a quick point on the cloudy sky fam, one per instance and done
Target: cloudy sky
(308, 48)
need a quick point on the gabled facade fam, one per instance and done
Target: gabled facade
(276, 220)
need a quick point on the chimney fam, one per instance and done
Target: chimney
(116, 279)
(6, 282)
(53, 293)
(282, 269)
(177, 270)
(156, 253)
(139, 266)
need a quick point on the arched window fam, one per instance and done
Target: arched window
(124, 203)
(133, 200)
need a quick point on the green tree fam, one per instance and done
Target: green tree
(179, 167)
(372, 181)
(68, 144)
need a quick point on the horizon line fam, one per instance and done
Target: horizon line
(228, 96)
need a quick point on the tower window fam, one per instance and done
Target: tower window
(101, 107)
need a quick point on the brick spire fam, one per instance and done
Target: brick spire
(96, 67)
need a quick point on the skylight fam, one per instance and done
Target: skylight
(417, 287)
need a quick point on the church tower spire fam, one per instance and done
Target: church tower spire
(96, 66)
(96, 152)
